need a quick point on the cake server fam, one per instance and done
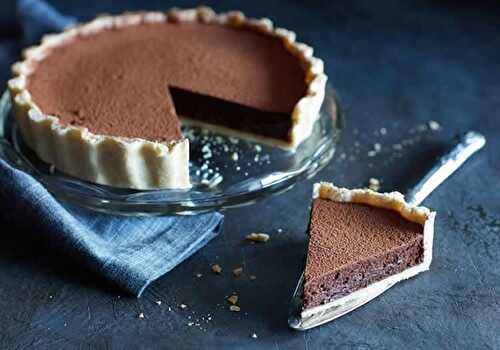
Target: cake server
(467, 145)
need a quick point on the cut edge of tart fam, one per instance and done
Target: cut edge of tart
(136, 162)
(392, 201)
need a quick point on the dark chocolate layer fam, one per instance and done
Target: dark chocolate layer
(231, 115)
(116, 82)
(353, 245)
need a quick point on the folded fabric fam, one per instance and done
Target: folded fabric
(128, 252)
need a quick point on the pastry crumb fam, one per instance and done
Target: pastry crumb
(141, 315)
(234, 156)
(434, 125)
(183, 306)
(234, 308)
(238, 271)
(280, 230)
(216, 268)
(158, 302)
(254, 336)
(374, 184)
(257, 237)
(199, 275)
(233, 299)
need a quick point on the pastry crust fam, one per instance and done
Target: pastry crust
(393, 201)
(134, 162)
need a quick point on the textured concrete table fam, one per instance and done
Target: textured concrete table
(397, 66)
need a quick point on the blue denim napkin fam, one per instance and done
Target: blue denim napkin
(128, 252)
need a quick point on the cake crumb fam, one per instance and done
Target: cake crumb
(216, 268)
(254, 336)
(233, 299)
(377, 147)
(199, 275)
(374, 184)
(183, 306)
(158, 302)
(372, 153)
(141, 315)
(280, 230)
(257, 237)
(383, 131)
(434, 125)
(234, 156)
(238, 271)
(234, 308)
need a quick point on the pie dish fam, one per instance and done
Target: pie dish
(361, 243)
(103, 101)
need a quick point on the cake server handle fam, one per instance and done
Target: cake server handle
(468, 144)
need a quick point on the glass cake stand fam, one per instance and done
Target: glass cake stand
(225, 171)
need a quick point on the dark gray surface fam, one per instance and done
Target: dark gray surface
(396, 66)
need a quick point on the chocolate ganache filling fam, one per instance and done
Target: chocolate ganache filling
(136, 81)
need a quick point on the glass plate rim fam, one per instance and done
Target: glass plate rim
(122, 205)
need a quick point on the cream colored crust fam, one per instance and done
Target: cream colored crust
(138, 163)
(394, 201)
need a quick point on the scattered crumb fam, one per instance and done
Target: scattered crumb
(238, 271)
(434, 125)
(233, 299)
(141, 315)
(169, 308)
(257, 237)
(383, 131)
(158, 302)
(254, 336)
(252, 277)
(280, 230)
(374, 184)
(234, 308)
(50, 296)
(52, 169)
(377, 147)
(234, 156)
(190, 324)
(217, 268)
(257, 148)
(183, 306)
(199, 275)
(372, 153)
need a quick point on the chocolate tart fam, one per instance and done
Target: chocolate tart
(361, 243)
(104, 101)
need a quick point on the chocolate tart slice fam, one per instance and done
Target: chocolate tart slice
(104, 101)
(361, 243)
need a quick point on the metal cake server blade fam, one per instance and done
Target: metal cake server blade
(467, 145)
